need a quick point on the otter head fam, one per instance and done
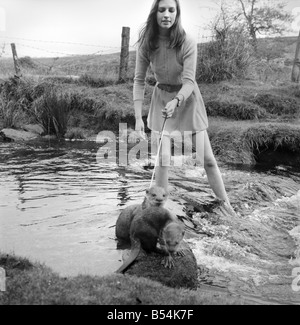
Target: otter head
(173, 234)
(156, 196)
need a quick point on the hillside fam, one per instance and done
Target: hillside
(281, 50)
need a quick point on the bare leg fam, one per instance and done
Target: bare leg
(162, 170)
(162, 177)
(205, 154)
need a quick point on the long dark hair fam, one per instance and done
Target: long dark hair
(149, 33)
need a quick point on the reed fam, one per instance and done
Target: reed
(10, 113)
(52, 112)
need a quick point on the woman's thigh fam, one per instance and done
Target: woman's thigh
(204, 152)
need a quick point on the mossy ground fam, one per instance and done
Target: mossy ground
(29, 283)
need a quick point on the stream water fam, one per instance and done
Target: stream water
(58, 206)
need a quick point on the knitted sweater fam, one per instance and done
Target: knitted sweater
(168, 65)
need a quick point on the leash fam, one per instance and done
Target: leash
(159, 146)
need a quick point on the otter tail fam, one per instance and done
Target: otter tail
(135, 250)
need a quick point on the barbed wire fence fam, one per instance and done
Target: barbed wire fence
(65, 63)
(50, 61)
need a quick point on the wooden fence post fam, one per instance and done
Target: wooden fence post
(16, 60)
(124, 54)
(296, 66)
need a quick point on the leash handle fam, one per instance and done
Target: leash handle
(159, 146)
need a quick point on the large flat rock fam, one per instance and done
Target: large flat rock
(16, 135)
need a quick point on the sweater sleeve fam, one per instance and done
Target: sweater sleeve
(189, 67)
(142, 64)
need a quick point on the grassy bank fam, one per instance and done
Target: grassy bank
(244, 142)
(91, 99)
(246, 117)
(31, 283)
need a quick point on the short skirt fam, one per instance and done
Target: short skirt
(189, 116)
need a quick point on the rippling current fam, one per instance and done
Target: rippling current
(58, 206)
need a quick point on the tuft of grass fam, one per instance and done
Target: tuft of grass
(11, 114)
(52, 112)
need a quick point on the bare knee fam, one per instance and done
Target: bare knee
(210, 163)
(165, 160)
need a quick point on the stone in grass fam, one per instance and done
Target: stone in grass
(182, 275)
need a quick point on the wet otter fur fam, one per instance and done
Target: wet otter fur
(155, 196)
(153, 225)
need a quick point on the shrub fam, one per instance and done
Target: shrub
(225, 58)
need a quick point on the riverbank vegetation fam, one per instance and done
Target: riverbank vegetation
(263, 100)
(243, 87)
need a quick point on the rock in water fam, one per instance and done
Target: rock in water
(16, 135)
(183, 275)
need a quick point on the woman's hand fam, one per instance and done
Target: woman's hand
(139, 133)
(168, 111)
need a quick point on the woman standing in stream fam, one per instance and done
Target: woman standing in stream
(172, 54)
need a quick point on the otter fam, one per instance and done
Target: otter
(155, 196)
(151, 226)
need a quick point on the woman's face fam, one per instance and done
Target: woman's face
(166, 14)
